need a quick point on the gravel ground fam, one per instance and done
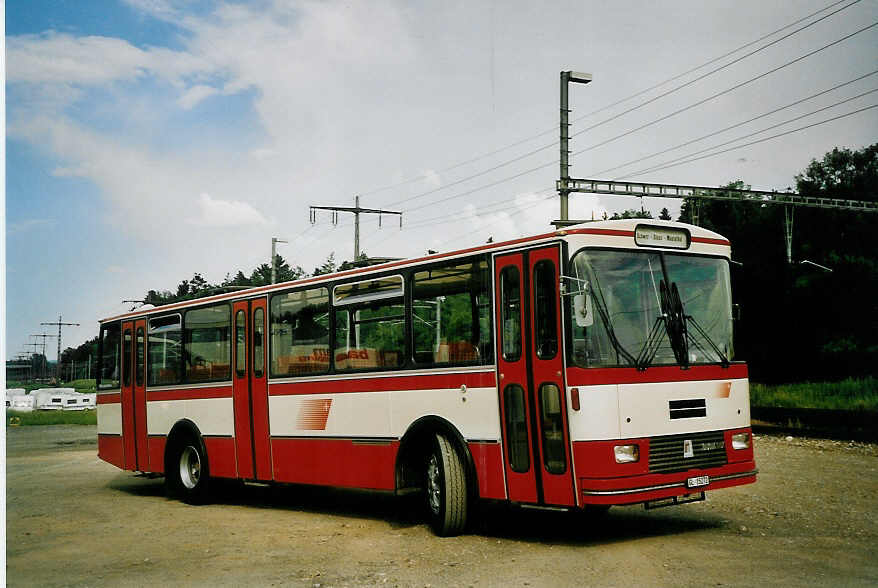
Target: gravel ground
(73, 520)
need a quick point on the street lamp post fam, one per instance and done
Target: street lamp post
(563, 191)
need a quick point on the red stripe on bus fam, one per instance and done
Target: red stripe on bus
(335, 462)
(577, 376)
(190, 393)
(710, 241)
(608, 232)
(386, 384)
(110, 449)
(114, 398)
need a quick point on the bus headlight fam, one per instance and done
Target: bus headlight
(626, 453)
(741, 441)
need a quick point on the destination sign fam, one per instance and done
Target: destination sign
(647, 236)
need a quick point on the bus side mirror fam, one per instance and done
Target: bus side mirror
(736, 312)
(582, 311)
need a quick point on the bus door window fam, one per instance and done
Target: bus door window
(545, 321)
(258, 343)
(510, 313)
(140, 357)
(126, 358)
(240, 344)
(516, 427)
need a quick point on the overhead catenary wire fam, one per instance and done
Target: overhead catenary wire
(616, 103)
(713, 71)
(700, 102)
(763, 140)
(726, 91)
(736, 125)
(766, 129)
(631, 131)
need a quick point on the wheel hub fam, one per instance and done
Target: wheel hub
(190, 467)
(434, 488)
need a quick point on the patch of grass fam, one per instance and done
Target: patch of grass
(849, 394)
(51, 417)
(83, 386)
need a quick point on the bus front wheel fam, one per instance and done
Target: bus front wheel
(188, 475)
(446, 489)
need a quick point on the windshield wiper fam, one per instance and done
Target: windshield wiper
(676, 325)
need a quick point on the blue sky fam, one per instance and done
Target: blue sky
(150, 139)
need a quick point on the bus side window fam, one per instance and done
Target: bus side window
(450, 317)
(299, 333)
(208, 348)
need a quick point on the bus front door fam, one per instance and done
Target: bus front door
(250, 391)
(530, 375)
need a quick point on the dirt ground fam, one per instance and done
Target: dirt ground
(74, 520)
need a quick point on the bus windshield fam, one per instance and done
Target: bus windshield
(616, 314)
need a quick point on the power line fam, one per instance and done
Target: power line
(736, 125)
(822, 122)
(608, 106)
(713, 71)
(516, 213)
(641, 127)
(727, 90)
(774, 126)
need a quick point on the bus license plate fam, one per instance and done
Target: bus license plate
(698, 481)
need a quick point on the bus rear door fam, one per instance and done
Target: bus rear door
(250, 391)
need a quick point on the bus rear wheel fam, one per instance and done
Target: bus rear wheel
(446, 489)
(188, 475)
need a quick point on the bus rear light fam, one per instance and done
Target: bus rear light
(626, 453)
(741, 441)
(574, 398)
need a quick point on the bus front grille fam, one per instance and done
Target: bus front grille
(678, 453)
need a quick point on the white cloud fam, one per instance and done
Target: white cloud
(60, 58)
(194, 95)
(226, 213)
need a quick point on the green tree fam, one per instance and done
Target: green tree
(327, 267)
(665, 215)
(631, 213)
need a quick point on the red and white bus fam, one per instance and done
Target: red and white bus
(585, 366)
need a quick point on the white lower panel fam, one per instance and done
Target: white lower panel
(598, 416)
(627, 411)
(212, 416)
(110, 419)
(356, 414)
(643, 408)
(475, 412)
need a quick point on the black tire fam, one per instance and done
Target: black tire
(188, 474)
(446, 489)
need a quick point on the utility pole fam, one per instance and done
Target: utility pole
(43, 366)
(563, 190)
(274, 242)
(35, 345)
(357, 210)
(60, 324)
